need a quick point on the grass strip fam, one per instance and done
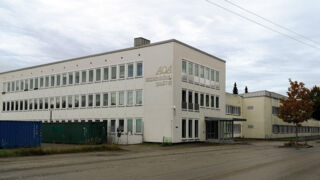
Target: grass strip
(41, 151)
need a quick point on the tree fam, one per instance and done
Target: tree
(246, 90)
(235, 89)
(315, 98)
(298, 107)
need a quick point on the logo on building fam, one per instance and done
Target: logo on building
(163, 76)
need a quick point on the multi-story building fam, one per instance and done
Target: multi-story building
(164, 91)
(258, 115)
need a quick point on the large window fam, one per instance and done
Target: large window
(212, 101)
(129, 125)
(3, 106)
(21, 105)
(90, 100)
(207, 73)
(113, 98)
(207, 100)
(183, 128)
(31, 84)
(113, 125)
(41, 103)
(121, 71)
(91, 75)
(83, 100)
(105, 99)
(30, 105)
(212, 75)
(114, 72)
(233, 110)
(105, 73)
(190, 128)
(201, 99)
(217, 102)
(70, 78)
(130, 98)
(121, 125)
(98, 100)
(52, 103)
(130, 70)
(76, 101)
(121, 98)
(139, 69)
(36, 83)
(196, 128)
(57, 102)
(46, 84)
(190, 68)
(184, 67)
(201, 71)
(64, 102)
(77, 77)
(196, 70)
(84, 76)
(21, 86)
(26, 84)
(17, 86)
(58, 79)
(98, 74)
(70, 102)
(64, 79)
(217, 76)
(138, 125)
(41, 82)
(275, 110)
(139, 97)
(52, 80)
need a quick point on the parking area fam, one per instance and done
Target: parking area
(255, 160)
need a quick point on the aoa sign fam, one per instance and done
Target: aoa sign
(163, 76)
(164, 70)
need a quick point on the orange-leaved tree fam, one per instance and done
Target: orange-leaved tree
(298, 107)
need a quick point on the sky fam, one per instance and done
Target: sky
(36, 32)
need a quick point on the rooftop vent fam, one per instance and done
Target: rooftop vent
(140, 41)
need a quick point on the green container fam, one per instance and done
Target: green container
(75, 132)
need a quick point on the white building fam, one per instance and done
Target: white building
(164, 91)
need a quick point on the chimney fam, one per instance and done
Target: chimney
(140, 41)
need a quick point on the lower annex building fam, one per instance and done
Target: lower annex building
(163, 91)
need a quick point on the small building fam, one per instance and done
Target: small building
(257, 114)
(151, 92)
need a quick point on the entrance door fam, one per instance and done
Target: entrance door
(212, 130)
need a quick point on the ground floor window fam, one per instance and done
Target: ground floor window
(113, 126)
(196, 128)
(183, 126)
(190, 128)
(138, 125)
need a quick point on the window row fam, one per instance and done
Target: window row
(107, 73)
(193, 100)
(283, 129)
(233, 110)
(275, 110)
(190, 128)
(120, 98)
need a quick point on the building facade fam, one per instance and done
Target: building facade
(164, 91)
(259, 111)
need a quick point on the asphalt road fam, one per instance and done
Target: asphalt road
(259, 160)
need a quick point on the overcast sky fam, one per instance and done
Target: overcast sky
(35, 32)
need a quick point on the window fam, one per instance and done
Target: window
(3, 106)
(129, 125)
(64, 79)
(201, 71)
(217, 102)
(139, 69)
(121, 71)
(30, 104)
(46, 84)
(207, 100)
(201, 99)
(77, 77)
(98, 100)
(52, 80)
(212, 101)
(121, 98)
(130, 98)
(90, 100)
(183, 128)
(105, 99)
(91, 75)
(17, 105)
(98, 75)
(184, 67)
(130, 70)
(12, 86)
(4, 87)
(196, 98)
(196, 128)
(58, 80)
(8, 87)
(190, 68)
(41, 103)
(121, 125)
(207, 73)
(52, 103)
(212, 75)
(84, 76)
(250, 107)
(21, 86)
(233, 110)
(105, 73)
(217, 76)
(190, 128)
(26, 84)
(17, 85)
(8, 105)
(275, 129)
(196, 70)
(139, 97)
(113, 99)
(57, 102)
(113, 126)
(76, 101)
(41, 82)
(21, 105)
(46, 103)
(36, 83)
(70, 102)
(184, 99)
(64, 102)
(275, 110)
(70, 78)
(138, 125)
(114, 72)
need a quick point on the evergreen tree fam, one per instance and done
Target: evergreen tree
(235, 89)
(246, 90)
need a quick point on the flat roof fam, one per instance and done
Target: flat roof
(263, 93)
(116, 51)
